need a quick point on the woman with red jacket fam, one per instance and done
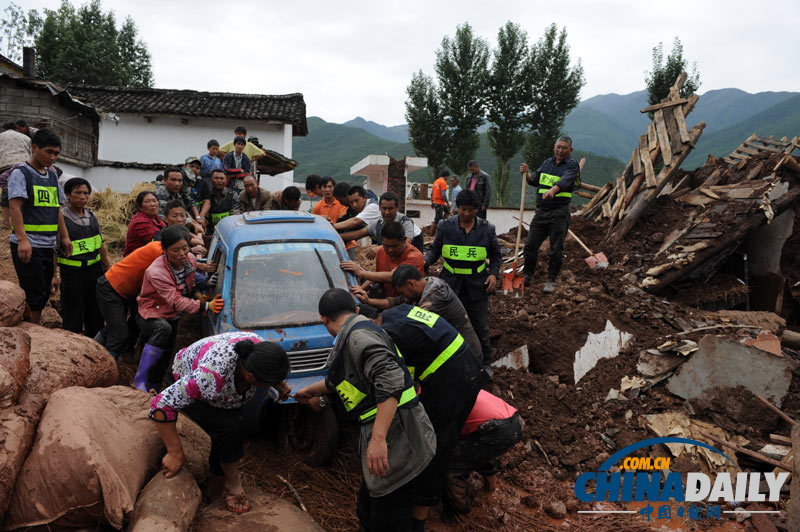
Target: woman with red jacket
(166, 293)
(144, 224)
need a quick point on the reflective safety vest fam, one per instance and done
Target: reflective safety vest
(86, 243)
(40, 210)
(357, 396)
(463, 260)
(223, 208)
(547, 181)
(441, 333)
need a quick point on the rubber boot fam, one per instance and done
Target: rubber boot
(100, 338)
(150, 357)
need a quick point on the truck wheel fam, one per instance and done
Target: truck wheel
(312, 435)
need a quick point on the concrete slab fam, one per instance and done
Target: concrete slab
(267, 513)
(723, 363)
(652, 365)
(516, 359)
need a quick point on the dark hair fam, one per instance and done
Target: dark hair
(44, 138)
(357, 189)
(405, 273)
(368, 311)
(467, 198)
(473, 163)
(340, 190)
(335, 302)
(212, 142)
(74, 182)
(393, 230)
(171, 169)
(444, 172)
(313, 181)
(239, 140)
(325, 180)
(240, 131)
(21, 123)
(174, 205)
(390, 196)
(291, 193)
(141, 196)
(172, 234)
(267, 361)
(218, 170)
(8, 125)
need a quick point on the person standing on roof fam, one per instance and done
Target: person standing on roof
(554, 181)
(449, 376)
(80, 271)
(465, 242)
(479, 182)
(439, 201)
(397, 440)
(237, 164)
(428, 293)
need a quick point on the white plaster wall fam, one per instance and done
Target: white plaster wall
(118, 179)
(167, 140)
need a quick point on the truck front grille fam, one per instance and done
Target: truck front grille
(311, 360)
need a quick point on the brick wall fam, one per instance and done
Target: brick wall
(40, 109)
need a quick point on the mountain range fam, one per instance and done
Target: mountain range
(604, 129)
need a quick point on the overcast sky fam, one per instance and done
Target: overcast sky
(356, 58)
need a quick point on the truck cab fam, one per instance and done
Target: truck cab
(272, 268)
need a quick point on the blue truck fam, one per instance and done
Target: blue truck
(272, 268)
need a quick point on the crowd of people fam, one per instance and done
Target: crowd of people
(412, 352)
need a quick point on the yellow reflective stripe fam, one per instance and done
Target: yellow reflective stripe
(409, 394)
(349, 394)
(463, 271)
(559, 195)
(423, 316)
(40, 228)
(411, 371)
(443, 357)
(215, 218)
(77, 263)
(465, 253)
(45, 196)
(548, 180)
(86, 245)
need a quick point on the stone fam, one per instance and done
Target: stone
(556, 510)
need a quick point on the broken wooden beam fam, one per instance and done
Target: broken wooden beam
(776, 410)
(752, 454)
(656, 107)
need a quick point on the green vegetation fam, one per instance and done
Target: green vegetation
(665, 72)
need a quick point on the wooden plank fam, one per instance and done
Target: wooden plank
(672, 129)
(663, 138)
(682, 129)
(745, 149)
(589, 187)
(729, 160)
(584, 194)
(739, 156)
(606, 210)
(793, 506)
(771, 140)
(713, 179)
(675, 90)
(636, 159)
(652, 140)
(634, 189)
(664, 105)
(649, 173)
(763, 148)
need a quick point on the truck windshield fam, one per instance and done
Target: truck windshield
(279, 284)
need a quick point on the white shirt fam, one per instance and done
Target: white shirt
(371, 213)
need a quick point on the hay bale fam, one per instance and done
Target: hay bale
(93, 451)
(15, 347)
(166, 504)
(12, 304)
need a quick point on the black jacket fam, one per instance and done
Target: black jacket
(549, 174)
(483, 188)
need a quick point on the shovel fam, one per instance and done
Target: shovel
(594, 260)
(512, 281)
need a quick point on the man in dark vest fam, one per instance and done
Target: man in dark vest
(554, 181)
(34, 201)
(224, 200)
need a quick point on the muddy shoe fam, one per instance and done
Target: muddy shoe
(549, 287)
(528, 280)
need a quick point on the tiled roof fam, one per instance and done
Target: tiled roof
(287, 108)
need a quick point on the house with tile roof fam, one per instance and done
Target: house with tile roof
(143, 130)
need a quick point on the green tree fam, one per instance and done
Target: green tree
(17, 30)
(427, 131)
(80, 45)
(507, 97)
(664, 73)
(555, 90)
(461, 69)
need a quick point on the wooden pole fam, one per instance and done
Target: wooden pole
(752, 454)
(776, 410)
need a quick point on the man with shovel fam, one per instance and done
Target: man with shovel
(554, 182)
